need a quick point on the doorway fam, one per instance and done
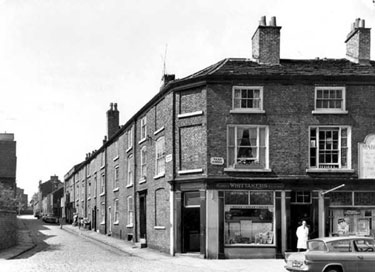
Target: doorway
(142, 215)
(191, 222)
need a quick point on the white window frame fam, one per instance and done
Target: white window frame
(130, 172)
(102, 159)
(143, 164)
(143, 128)
(247, 110)
(341, 110)
(116, 150)
(130, 206)
(102, 212)
(129, 139)
(232, 167)
(116, 212)
(315, 144)
(159, 157)
(116, 179)
(102, 184)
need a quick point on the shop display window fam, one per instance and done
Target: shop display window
(249, 218)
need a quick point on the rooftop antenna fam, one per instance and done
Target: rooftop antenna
(165, 61)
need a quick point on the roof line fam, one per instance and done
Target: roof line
(218, 66)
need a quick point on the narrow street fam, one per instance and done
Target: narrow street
(59, 250)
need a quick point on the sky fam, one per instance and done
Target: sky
(62, 62)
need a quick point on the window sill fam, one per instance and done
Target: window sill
(116, 223)
(248, 111)
(142, 141)
(329, 112)
(142, 181)
(247, 170)
(102, 194)
(116, 189)
(159, 227)
(129, 185)
(89, 198)
(102, 223)
(159, 130)
(115, 158)
(192, 171)
(159, 176)
(329, 170)
(189, 114)
(130, 148)
(129, 226)
(101, 167)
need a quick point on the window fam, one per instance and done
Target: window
(330, 147)
(129, 143)
(247, 99)
(301, 197)
(116, 150)
(88, 187)
(116, 211)
(95, 185)
(130, 211)
(143, 163)
(248, 147)
(249, 218)
(89, 209)
(116, 178)
(330, 100)
(160, 156)
(102, 184)
(143, 128)
(102, 159)
(130, 171)
(102, 213)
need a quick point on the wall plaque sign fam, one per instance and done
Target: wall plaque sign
(366, 152)
(168, 158)
(217, 160)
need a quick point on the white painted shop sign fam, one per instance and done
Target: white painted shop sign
(168, 158)
(217, 160)
(367, 157)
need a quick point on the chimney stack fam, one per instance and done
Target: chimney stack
(358, 43)
(266, 42)
(112, 120)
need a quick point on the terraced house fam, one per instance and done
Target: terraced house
(227, 162)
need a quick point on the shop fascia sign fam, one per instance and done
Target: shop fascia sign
(366, 158)
(247, 186)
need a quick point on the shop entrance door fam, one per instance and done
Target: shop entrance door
(299, 212)
(191, 222)
(142, 216)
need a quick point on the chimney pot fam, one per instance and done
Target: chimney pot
(111, 106)
(358, 43)
(362, 24)
(115, 105)
(357, 22)
(273, 21)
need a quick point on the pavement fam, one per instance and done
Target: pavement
(25, 243)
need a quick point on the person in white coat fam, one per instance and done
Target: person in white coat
(303, 236)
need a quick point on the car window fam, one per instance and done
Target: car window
(316, 246)
(364, 245)
(340, 246)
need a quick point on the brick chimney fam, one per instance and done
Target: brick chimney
(358, 43)
(266, 42)
(113, 120)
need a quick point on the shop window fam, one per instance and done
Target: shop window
(249, 218)
(248, 147)
(330, 148)
(364, 198)
(341, 198)
(300, 197)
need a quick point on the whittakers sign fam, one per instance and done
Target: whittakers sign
(367, 158)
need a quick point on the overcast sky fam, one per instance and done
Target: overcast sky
(62, 62)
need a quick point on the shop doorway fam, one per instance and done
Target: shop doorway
(191, 222)
(142, 216)
(299, 212)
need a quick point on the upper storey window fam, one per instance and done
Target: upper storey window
(247, 99)
(330, 100)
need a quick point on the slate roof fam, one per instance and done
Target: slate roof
(288, 67)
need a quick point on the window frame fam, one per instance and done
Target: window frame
(159, 172)
(315, 145)
(342, 110)
(143, 164)
(247, 110)
(130, 171)
(130, 212)
(235, 147)
(116, 178)
(116, 212)
(143, 128)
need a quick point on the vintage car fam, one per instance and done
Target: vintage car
(50, 218)
(334, 254)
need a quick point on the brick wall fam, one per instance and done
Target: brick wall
(8, 229)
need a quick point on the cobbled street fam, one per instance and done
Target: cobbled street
(59, 250)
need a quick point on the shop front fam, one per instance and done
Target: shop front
(352, 213)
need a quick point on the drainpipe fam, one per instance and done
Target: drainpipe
(134, 183)
(172, 211)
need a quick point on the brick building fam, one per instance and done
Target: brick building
(228, 161)
(45, 202)
(8, 161)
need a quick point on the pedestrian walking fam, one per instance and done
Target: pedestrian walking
(303, 236)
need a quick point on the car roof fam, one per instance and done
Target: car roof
(340, 238)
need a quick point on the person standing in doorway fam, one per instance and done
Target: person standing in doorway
(303, 236)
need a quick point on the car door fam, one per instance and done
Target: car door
(341, 252)
(366, 254)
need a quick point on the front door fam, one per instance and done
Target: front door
(191, 222)
(142, 216)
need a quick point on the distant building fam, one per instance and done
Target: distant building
(8, 161)
(22, 200)
(45, 199)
